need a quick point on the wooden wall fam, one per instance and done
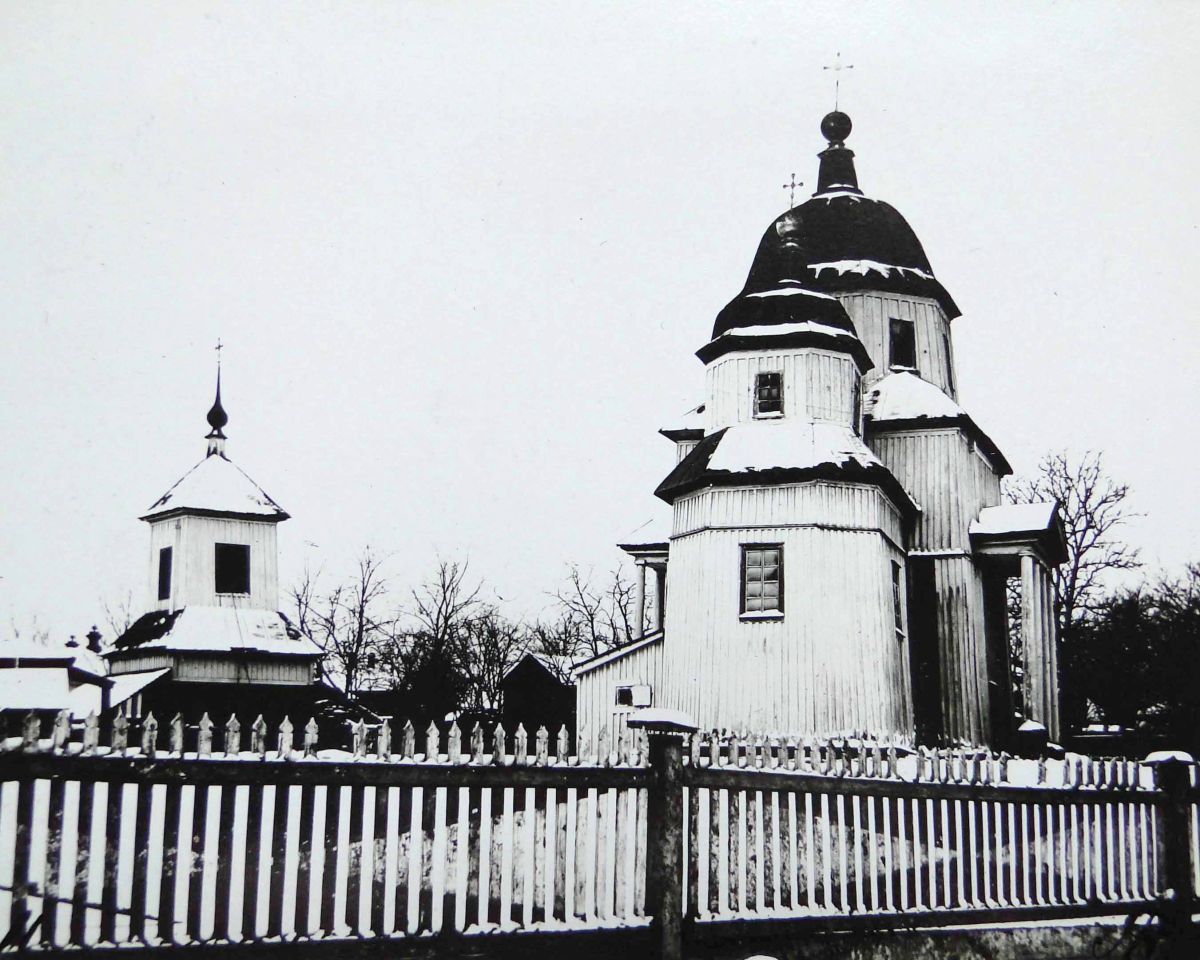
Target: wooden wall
(944, 472)
(223, 669)
(871, 312)
(817, 384)
(192, 540)
(595, 705)
(832, 664)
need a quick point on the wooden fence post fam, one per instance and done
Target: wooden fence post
(667, 732)
(1172, 776)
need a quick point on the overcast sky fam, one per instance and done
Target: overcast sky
(461, 255)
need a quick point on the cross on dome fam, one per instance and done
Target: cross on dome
(791, 188)
(837, 67)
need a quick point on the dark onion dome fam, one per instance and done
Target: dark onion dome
(217, 417)
(786, 315)
(840, 241)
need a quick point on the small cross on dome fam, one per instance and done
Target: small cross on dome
(791, 188)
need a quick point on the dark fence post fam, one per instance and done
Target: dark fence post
(1173, 778)
(666, 732)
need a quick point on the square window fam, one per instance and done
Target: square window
(232, 566)
(164, 573)
(903, 343)
(768, 394)
(762, 578)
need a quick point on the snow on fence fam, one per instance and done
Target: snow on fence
(125, 844)
(787, 829)
(141, 842)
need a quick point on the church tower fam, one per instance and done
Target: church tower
(838, 559)
(214, 639)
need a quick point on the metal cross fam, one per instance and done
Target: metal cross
(219, 347)
(791, 188)
(837, 69)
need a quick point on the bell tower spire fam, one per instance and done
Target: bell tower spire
(217, 417)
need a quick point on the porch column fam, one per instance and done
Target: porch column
(1050, 635)
(639, 602)
(1031, 641)
(660, 597)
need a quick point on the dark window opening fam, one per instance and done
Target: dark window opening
(232, 568)
(624, 696)
(903, 343)
(949, 363)
(768, 394)
(164, 573)
(856, 407)
(897, 604)
(762, 577)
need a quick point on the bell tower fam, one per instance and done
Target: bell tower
(213, 534)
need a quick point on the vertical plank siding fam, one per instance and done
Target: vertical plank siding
(817, 385)
(832, 664)
(871, 312)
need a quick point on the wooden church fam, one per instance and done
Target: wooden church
(839, 560)
(213, 639)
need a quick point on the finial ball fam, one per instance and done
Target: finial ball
(836, 126)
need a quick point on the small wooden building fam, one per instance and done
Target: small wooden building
(213, 639)
(537, 691)
(839, 558)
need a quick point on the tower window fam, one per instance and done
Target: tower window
(903, 343)
(856, 407)
(897, 604)
(762, 577)
(232, 568)
(949, 363)
(164, 573)
(768, 394)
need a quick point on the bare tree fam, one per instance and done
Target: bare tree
(351, 622)
(589, 618)
(1092, 507)
(119, 614)
(485, 648)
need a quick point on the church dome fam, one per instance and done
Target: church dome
(840, 241)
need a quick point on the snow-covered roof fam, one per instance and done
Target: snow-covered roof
(127, 684)
(779, 329)
(228, 629)
(791, 292)
(864, 267)
(1014, 518)
(657, 529)
(48, 688)
(30, 652)
(781, 451)
(216, 485)
(789, 444)
(905, 396)
(692, 420)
